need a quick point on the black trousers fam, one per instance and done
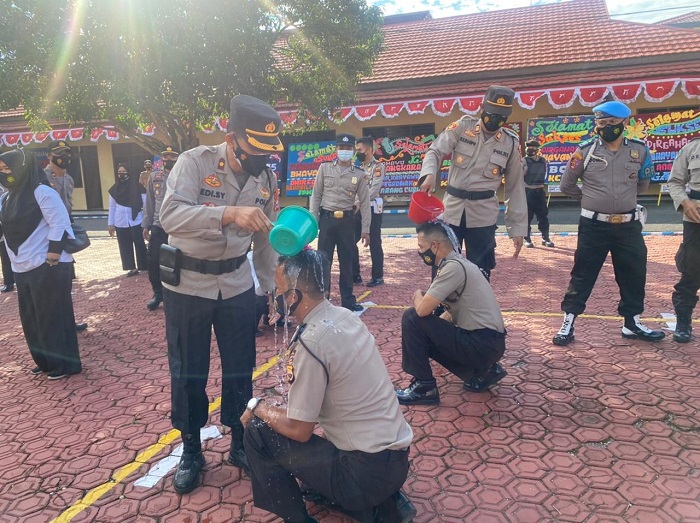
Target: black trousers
(46, 312)
(537, 206)
(479, 242)
(462, 352)
(375, 246)
(8, 277)
(188, 324)
(685, 295)
(625, 243)
(355, 480)
(130, 238)
(338, 232)
(158, 238)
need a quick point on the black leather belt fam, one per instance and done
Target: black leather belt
(337, 214)
(469, 195)
(216, 267)
(694, 195)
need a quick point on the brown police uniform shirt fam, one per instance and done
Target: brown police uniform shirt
(478, 164)
(63, 185)
(198, 189)
(144, 177)
(376, 171)
(336, 188)
(155, 192)
(685, 170)
(476, 307)
(357, 407)
(612, 179)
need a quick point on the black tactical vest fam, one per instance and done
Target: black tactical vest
(536, 171)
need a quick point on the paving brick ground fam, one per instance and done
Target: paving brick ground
(606, 429)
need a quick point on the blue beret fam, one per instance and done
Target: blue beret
(612, 110)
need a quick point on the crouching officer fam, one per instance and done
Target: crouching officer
(613, 169)
(468, 339)
(218, 200)
(686, 170)
(337, 379)
(337, 185)
(535, 167)
(153, 232)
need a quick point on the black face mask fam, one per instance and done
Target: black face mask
(62, 162)
(428, 257)
(122, 177)
(9, 181)
(168, 164)
(610, 132)
(361, 156)
(530, 152)
(493, 122)
(280, 301)
(253, 164)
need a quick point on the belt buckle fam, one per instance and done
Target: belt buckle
(616, 218)
(338, 214)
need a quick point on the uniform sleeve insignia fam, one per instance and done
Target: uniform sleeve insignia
(264, 192)
(634, 153)
(377, 171)
(575, 159)
(453, 125)
(212, 180)
(277, 200)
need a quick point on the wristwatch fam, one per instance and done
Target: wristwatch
(252, 404)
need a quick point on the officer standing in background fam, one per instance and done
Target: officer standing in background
(337, 185)
(686, 170)
(8, 277)
(153, 233)
(218, 200)
(535, 167)
(376, 171)
(483, 151)
(616, 170)
(337, 379)
(146, 173)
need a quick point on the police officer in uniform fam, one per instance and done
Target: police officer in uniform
(8, 277)
(483, 151)
(686, 170)
(153, 233)
(468, 339)
(146, 173)
(535, 167)
(337, 185)
(613, 169)
(218, 200)
(337, 379)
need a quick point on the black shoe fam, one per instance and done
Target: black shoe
(154, 303)
(547, 242)
(375, 281)
(7, 288)
(357, 279)
(528, 242)
(488, 379)
(36, 370)
(132, 272)
(80, 327)
(259, 333)
(58, 375)
(418, 394)
(635, 329)
(238, 458)
(566, 333)
(354, 307)
(398, 508)
(188, 470)
(684, 328)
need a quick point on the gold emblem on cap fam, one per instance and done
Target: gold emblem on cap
(168, 149)
(61, 143)
(270, 128)
(501, 100)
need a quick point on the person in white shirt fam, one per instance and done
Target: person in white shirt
(126, 200)
(35, 224)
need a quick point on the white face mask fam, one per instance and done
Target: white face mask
(345, 155)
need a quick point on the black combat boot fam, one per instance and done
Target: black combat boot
(684, 327)
(419, 393)
(546, 241)
(528, 242)
(155, 302)
(188, 470)
(566, 332)
(237, 456)
(634, 329)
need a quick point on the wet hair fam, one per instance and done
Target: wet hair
(305, 270)
(365, 140)
(433, 230)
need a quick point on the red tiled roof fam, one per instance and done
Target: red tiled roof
(687, 17)
(565, 34)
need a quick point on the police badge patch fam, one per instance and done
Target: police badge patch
(212, 180)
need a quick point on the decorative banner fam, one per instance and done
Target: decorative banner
(559, 138)
(665, 134)
(443, 107)
(392, 110)
(592, 96)
(561, 98)
(303, 161)
(529, 99)
(627, 93)
(365, 112)
(417, 107)
(470, 105)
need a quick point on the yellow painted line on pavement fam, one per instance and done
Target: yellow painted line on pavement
(364, 295)
(142, 458)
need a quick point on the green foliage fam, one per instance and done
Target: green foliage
(177, 63)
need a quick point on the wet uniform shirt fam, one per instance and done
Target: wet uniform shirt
(198, 189)
(63, 185)
(612, 179)
(476, 307)
(478, 164)
(155, 192)
(357, 405)
(685, 170)
(336, 188)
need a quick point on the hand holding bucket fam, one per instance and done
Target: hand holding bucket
(295, 228)
(424, 207)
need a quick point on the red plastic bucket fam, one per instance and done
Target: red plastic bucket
(424, 207)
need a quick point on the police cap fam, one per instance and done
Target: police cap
(345, 139)
(257, 122)
(499, 100)
(169, 149)
(532, 143)
(58, 147)
(611, 110)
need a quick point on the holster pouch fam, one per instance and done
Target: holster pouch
(170, 263)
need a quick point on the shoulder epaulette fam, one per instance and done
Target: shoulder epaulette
(587, 143)
(637, 140)
(511, 132)
(200, 150)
